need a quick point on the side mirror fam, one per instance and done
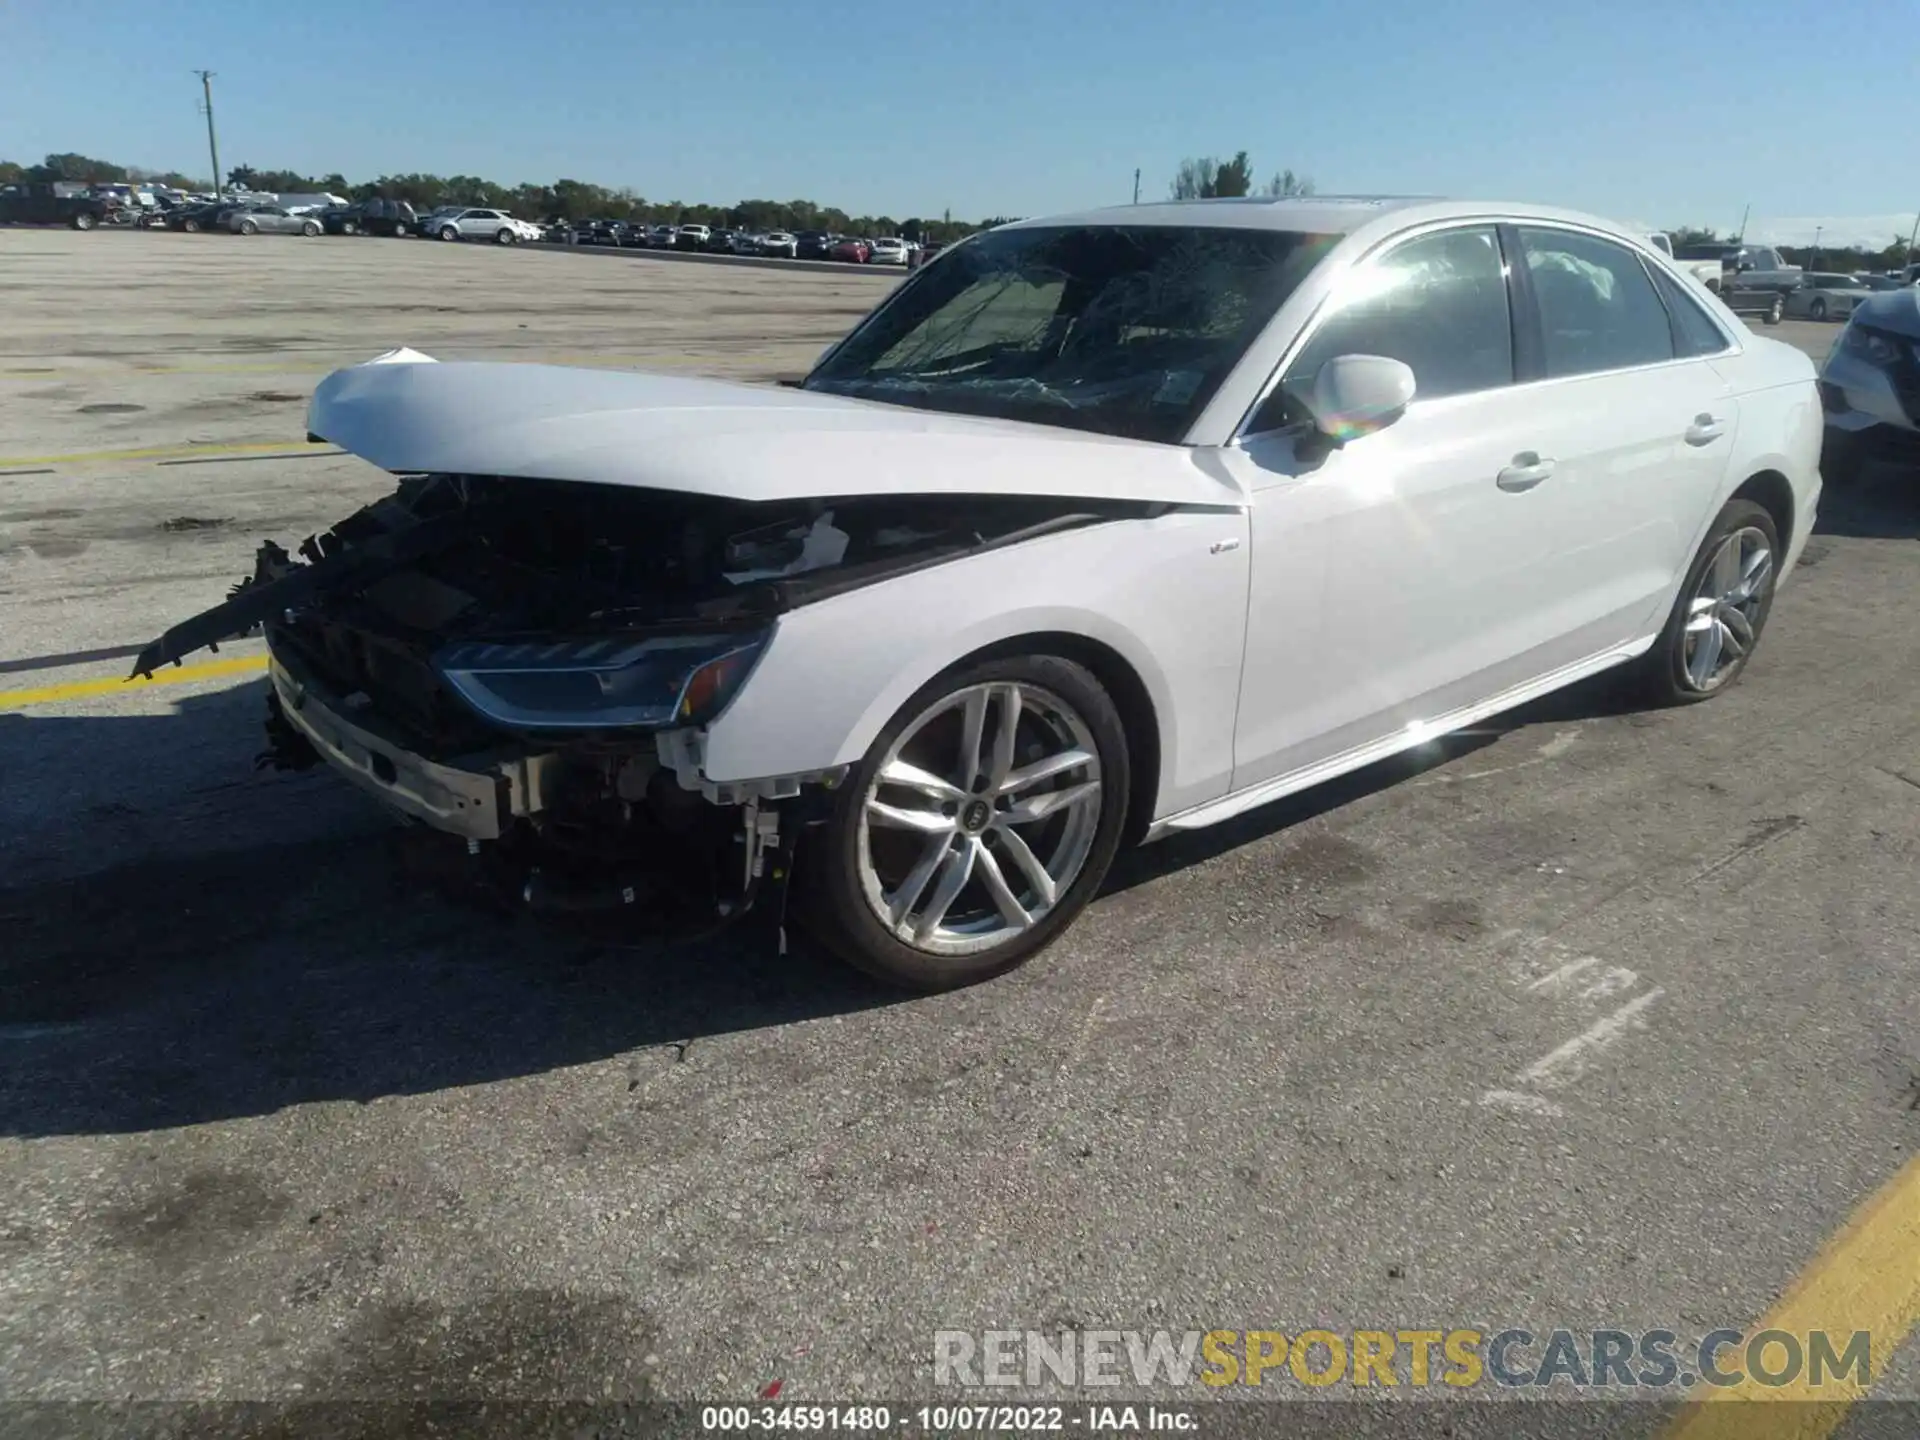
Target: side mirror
(1355, 395)
(1743, 267)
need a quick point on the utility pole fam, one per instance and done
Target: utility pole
(1136, 186)
(1743, 223)
(1912, 235)
(213, 145)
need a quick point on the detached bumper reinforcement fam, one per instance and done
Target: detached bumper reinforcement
(447, 797)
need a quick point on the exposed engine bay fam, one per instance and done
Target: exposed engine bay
(526, 665)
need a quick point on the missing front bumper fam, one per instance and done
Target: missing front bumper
(472, 801)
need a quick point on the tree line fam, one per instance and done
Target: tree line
(563, 200)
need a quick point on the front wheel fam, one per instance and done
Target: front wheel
(447, 232)
(981, 822)
(1776, 310)
(1817, 308)
(506, 237)
(192, 227)
(83, 221)
(1722, 608)
(310, 229)
(247, 227)
(347, 227)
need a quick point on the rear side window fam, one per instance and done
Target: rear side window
(1437, 303)
(1694, 333)
(1598, 309)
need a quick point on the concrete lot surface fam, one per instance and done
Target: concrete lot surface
(279, 1122)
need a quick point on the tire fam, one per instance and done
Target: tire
(851, 862)
(1776, 310)
(1671, 673)
(192, 227)
(347, 227)
(83, 221)
(247, 227)
(447, 232)
(310, 229)
(1817, 308)
(505, 237)
(399, 230)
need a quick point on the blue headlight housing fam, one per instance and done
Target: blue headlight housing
(614, 682)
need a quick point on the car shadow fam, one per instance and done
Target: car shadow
(203, 942)
(1883, 505)
(1594, 698)
(244, 961)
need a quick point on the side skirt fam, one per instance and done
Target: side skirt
(1419, 733)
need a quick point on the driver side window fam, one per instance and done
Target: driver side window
(1437, 303)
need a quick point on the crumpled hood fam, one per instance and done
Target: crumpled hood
(1895, 310)
(406, 412)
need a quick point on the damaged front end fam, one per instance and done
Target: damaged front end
(529, 666)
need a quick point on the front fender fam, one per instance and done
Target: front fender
(1168, 595)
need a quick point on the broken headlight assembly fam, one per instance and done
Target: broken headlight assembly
(612, 682)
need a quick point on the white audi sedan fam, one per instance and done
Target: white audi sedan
(1104, 527)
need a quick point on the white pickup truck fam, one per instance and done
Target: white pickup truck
(1707, 272)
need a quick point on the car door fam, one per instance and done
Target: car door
(1407, 573)
(1634, 417)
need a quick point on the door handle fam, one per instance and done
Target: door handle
(1704, 430)
(1526, 471)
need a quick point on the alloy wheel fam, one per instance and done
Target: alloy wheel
(980, 818)
(1728, 606)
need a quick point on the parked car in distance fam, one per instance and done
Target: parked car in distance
(209, 215)
(1744, 267)
(888, 250)
(271, 220)
(1823, 295)
(1870, 386)
(691, 237)
(377, 216)
(30, 202)
(481, 223)
(660, 237)
(853, 250)
(925, 620)
(779, 242)
(1876, 282)
(814, 245)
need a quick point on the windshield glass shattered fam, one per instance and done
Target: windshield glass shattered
(1126, 330)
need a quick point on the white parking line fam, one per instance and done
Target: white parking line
(1569, 1061)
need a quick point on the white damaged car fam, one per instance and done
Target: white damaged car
(1105, 527)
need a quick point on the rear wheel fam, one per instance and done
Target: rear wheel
(447, 232)
(311, 228)
(1776, 310)
(83, 221)
(247, 227)
(505, 237)
(192, 227)
(1722, 608)
(347, 227)
(981, 822)
(1817, 308)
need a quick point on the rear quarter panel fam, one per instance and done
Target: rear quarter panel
(1780, 430)
(1156, 592)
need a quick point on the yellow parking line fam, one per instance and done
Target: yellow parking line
(1867, 1277)
(173, 675)
(159, 452)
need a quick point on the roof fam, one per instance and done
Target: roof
(1313, 214)
(1326, 214)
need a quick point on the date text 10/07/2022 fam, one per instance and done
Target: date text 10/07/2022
(945, 1419)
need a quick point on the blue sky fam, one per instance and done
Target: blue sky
(1662, 113)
